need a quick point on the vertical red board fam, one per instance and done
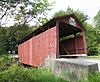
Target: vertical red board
(20, 52)
(44, 46)
(71, 46)
(80, 45)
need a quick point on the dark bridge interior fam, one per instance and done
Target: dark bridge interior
(71, 40)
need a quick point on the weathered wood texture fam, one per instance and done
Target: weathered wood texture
(45, 41)
(35, 50)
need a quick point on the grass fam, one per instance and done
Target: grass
(93, 57)
(17, 73)
(93, 77)
(12, 72)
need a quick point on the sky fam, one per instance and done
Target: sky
(89, 7)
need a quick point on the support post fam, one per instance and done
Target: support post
(76, 49)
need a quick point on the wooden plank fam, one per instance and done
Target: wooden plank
(73, 55)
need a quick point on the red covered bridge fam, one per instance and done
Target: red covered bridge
(60, 37)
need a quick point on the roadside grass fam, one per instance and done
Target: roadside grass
(92, 77)
(17, 73)
(10, 71)
(93, 57)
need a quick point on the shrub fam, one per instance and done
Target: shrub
(93, 77)
(17, 73)
(5, 62)
(12, 72)
(45, 75)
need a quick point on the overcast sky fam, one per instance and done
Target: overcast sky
(89, 7)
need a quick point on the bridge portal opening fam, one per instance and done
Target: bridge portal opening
(71, 40)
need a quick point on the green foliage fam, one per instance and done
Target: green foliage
(22, 15)
(93, 40)
(97, 27)
(94, 57)
(97, 20)
(3, 32)
(12, 72)
(10, 36)
(24, 11)
(37, 11)
(92, 34)
(17, 73)
(92, 77)
(81, 15)
(4, 62)
(45, 75)
(95, 77)
(59, 13)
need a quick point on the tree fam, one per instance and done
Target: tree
(59, 13)
(97, 20)
(62, 12)
(92, 34)
(92, 40)
(97, 27)
(24, 11)
(3, 32)
(81, 15)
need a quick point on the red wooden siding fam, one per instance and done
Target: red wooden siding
(24, 51)
(73, 46)
(35, 50)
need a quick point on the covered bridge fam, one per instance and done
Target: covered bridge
(60, 37)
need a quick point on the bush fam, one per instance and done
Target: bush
(5, 62)
(17, 73)
(93, 77)
(12, 72)
(45, 75)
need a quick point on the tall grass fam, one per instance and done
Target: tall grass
(12, 72)
(93, 77)
(17, 73)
